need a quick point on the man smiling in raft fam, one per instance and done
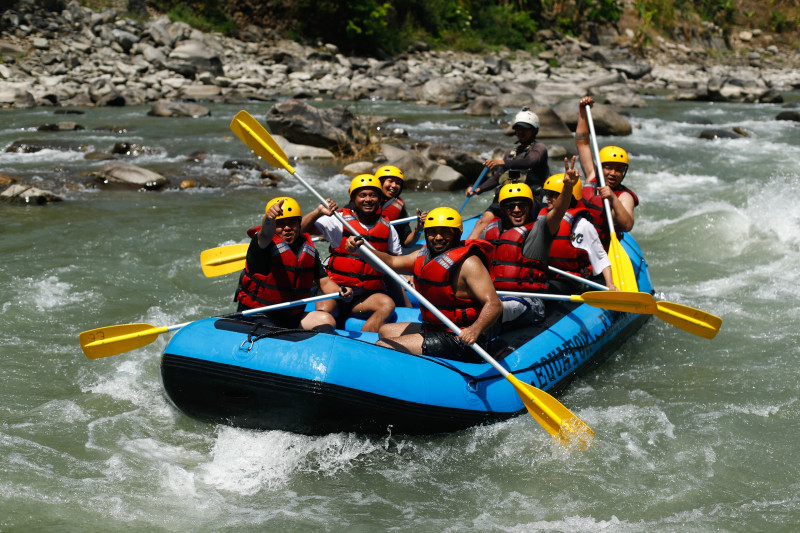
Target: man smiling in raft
(454, 276)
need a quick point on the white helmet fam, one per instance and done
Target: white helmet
(526, 117)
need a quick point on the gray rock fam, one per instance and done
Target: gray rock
(551, 125)
(443, 91)
(606, 120)
(712, 134)
(485, 106)
(27, 194)
(122, 173)
(169, 108)
(461, 161)
(191, 57)
(61, 126)
(336, 129)
(29, 146)
(103, 93)
(622, 60)
(300, 151)
(359, 167)
(788, 115)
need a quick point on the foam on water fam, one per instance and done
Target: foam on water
(246, 461)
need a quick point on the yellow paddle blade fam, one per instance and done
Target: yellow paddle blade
(259, 140)
(223, 260)
(621, 267)
(560, 422)
(111, 340)
(689, 319)
(627, 302)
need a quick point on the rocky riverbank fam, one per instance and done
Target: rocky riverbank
(77, 57)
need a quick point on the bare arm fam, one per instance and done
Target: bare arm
(474, 277)
(267, 230)
(621, 208)
(560, 206)
(582, 139)
(412, 237)
(307, 222)
(403, 264)
(329, 286)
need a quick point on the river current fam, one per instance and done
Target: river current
(692, 434)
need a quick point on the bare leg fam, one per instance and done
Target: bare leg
(380, 305)
(403, 337)
(319, 321)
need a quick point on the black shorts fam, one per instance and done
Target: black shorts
(447, 345)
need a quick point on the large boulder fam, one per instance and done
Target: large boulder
(607, 121)
(461, 161)
(191, 57)
(550, 124)
(443, 91)
(485, 106)
(104, 93)
(302, 151)
(622, 60)
(122, 173)
(736, 88)
(421, 172)
(336, 129)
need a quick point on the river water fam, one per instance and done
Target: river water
(692, 434)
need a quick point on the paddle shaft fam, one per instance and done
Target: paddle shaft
(166, 329)
(318, 238)
(474, 186)
(578, 278)
(391, 273)
(598, 167)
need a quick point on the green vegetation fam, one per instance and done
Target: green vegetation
(390, 26)
(205, 15)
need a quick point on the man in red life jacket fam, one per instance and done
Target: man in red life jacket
(392, 182)
(348, 269)
(522, 247)
(614, 161)
(282, 265)
(576, 247)
(454, 276)
(525, 163)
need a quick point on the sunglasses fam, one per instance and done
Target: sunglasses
(551, 194)
(515, 205)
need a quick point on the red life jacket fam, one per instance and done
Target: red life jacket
(511, 270)
(594, 203)
(432, 278)
(349, 270)
(290, 276)
(563, 254)
(392, 208)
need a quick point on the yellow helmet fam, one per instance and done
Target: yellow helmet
(364, 180)
(290, 207)
(515, 190)
(389, 171)
(556, 183)
(613, 154)
(444, 217)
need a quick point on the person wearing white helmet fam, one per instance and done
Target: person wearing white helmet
(614, 161)
(526, 162)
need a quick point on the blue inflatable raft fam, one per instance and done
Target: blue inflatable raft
(235, 372)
